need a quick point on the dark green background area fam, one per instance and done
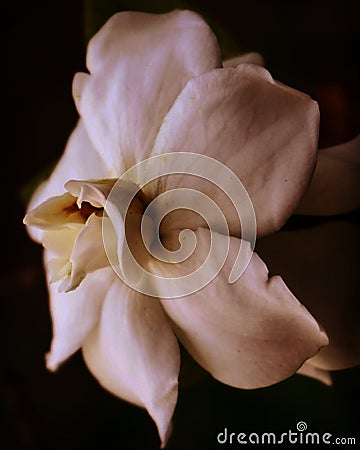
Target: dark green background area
(312, 46)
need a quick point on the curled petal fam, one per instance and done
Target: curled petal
(320, 265)
(55, 213)
(72, 225)
(94, 192)
(74, 314)
(134, 354)
(59, 245)
(249, 334)
(335, 187)
(265, 132)
(88, 253)
(138, 65)
(246, 58)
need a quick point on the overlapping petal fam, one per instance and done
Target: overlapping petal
(72, 224)
(335, 186)
(134, 354)
(138, 65)
(320, 265)
(249, 334)
(59, 246)
(88, 253)
(264, 132)
(55, 213)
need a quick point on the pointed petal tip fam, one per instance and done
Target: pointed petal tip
(308, 370)
(134, 354)
(163, 418)
(26, 219)
(327, 380)
(31, 220)
(51, 362)
(166, 436)
(324, 341)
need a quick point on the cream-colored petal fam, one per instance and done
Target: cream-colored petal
(72, 225)
(94, 191)
(88, 253)
(55, 213)
(138, 65)
(265, 132)
(134, 354)
(59, 269)
(61, 242)
(104, 240)
(74, 314)
(335, 187)
(249, 334)
(320, 265)
(59, 245)
(311, 371)
(246, 58)
(79, 161)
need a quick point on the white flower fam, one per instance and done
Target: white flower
(157, 85)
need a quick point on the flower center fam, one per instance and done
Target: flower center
(85, 210)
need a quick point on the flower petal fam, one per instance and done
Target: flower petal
(335, 187)
(246, 58)
(134, 354)
(265, 132)
(74, 314)
(94, 191)
(320, 265)
(249, 334)
(59, 245)
(79, 161)
(139, 63)
(311, 371)
(88, 253)
(55, 213)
